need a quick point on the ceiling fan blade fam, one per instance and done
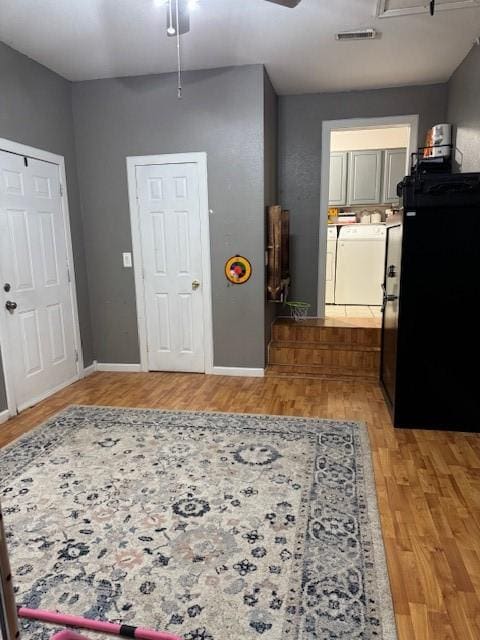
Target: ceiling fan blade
(286, 3)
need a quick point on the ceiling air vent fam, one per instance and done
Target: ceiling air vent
(359, 34)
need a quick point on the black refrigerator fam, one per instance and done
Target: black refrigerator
(430, 360)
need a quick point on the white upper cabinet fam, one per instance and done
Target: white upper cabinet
(393, 172)
(364, 176)
(337, 194)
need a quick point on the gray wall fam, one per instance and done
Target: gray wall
(221, 113)
(36, 110)
(300, 144)
(464, 111)
(270, 111)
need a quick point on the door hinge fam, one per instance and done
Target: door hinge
(68, 274)
(61, 189)
(76, 355)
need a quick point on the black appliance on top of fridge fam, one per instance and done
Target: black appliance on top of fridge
(431, 330)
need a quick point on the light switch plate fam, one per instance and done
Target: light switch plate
(127, 259)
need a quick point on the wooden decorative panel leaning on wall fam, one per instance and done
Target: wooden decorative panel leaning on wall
(278, 272)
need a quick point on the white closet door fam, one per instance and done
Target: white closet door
(169, 219)
(34, 267)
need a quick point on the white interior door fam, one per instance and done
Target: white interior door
(170, 233)
(34, 279)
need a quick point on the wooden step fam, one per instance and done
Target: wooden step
(321, 377)
(325, 349)
(340, 349)
(341, 346)
(350, 360)
(330, 331)
(321, 372)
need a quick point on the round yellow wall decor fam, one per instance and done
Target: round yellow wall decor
(238, 269)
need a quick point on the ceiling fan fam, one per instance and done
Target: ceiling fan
(178, 23)
(182, 9)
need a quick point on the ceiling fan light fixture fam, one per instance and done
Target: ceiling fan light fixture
(178, 17)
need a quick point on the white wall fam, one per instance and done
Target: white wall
(384, 138)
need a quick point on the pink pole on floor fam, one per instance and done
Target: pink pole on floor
(113, 628)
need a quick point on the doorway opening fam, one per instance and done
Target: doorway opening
(362, 162)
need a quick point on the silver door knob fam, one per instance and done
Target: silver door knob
(195, 284)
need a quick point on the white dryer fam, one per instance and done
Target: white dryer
(331, 265)
(360, 264)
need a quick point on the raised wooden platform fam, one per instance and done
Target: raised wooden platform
(332, 348)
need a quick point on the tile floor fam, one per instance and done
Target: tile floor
(354, 311)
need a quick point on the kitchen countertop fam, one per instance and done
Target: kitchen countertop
(343, 224)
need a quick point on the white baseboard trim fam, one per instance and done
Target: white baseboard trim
(87, 371)
(114, 366)
(4, 415)
(245, 372)
(237, 371)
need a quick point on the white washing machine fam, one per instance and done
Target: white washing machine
(331, 265)
(360, 264)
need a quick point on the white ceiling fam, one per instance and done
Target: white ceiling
(86, 39)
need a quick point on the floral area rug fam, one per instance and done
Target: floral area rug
(212, 526)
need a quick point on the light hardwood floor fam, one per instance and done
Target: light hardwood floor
(428, 482)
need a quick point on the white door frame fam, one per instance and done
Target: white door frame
(7, 355)
(200, 159)
(337, 125)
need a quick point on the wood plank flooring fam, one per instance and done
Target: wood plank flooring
(428, 482)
